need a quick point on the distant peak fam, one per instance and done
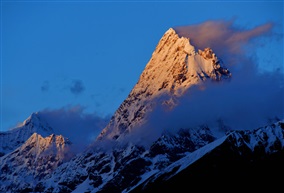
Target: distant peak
(171, 30)
(35, 115)
(33, 118)
(169, 34)
(35, 123)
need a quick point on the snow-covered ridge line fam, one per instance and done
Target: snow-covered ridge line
(271, 137)
(181, 164)
(256, 137)
(268, 140)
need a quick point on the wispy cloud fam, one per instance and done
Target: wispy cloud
(77, 87)
(45, 86)
(224, 37)
(242, 104)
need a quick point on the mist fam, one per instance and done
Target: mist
(241, 104)
(245, 104)
(73, 122)
(226, 39)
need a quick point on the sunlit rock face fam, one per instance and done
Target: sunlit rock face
(175, 66)
(35, 160)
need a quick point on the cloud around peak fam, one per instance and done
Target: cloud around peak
(250, 99)
(74, 123)
(224, 37)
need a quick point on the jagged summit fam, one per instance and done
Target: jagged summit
(14, 138)
(175, 66)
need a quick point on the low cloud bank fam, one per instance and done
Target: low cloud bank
(241, 104)
(72, 122)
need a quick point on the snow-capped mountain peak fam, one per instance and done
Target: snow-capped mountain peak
(33, 118)
(36, 124)
(174, 67)
(14, 138)
(34, 159)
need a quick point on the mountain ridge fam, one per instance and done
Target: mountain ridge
(116, 162)
(254, 163)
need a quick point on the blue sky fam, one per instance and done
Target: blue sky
(90, 54)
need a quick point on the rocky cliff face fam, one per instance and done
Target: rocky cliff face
(175, 66)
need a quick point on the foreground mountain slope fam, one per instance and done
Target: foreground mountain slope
(192, 154)
(241, 159)
(121, 166)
